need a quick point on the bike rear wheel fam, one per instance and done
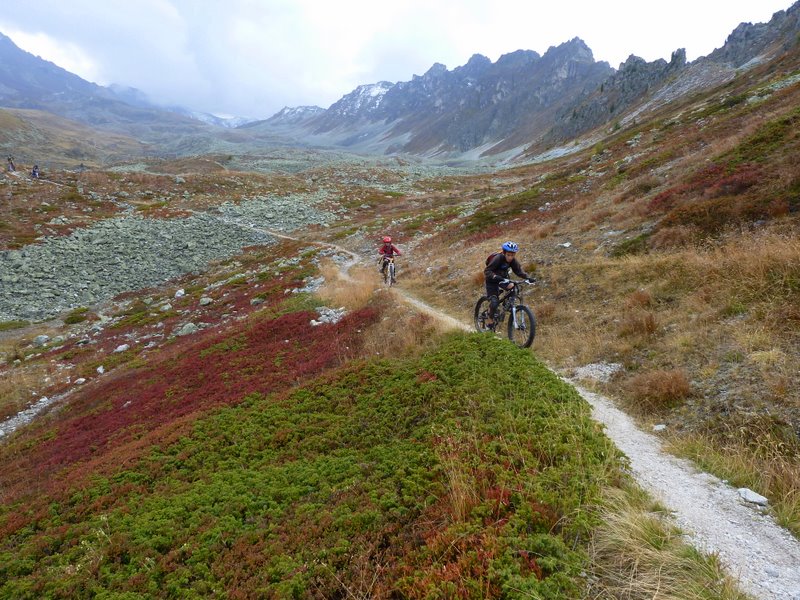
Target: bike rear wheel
(522, 326)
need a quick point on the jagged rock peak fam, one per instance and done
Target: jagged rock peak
(632, 62)
(477, 64)
(678, 58)
(437, 70)
(364, 97)
(748, 40)
(574, 49)
(519, 58)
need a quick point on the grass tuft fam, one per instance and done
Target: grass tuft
(639, 554)
(657, 390)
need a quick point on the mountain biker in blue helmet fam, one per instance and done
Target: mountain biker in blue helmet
(496, 275)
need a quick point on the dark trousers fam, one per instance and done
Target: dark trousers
(493, 291)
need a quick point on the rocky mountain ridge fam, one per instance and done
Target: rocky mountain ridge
(29, 82)
(527, 101)
(520, 105)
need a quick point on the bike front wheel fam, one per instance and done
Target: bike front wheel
(391, 277)
(522, 326)
(482, 313)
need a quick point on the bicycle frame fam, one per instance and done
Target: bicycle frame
(510, 299)
(390, 271)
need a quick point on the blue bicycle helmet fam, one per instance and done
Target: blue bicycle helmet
(510, 247)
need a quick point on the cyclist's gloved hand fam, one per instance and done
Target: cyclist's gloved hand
(505, 283)
(531, 280)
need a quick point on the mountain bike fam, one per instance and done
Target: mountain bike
(521, 322)
(389, 274)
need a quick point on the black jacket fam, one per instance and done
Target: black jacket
(498, 268)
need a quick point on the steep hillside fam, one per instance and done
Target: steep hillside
(40, 137)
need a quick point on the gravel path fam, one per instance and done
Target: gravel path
(761, 554)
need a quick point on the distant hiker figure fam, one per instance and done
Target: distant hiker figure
(35, 172)
(11, 167)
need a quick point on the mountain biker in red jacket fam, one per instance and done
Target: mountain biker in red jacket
(496, 275)
(387, 251)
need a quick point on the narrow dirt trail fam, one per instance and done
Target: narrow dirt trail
(755, 549)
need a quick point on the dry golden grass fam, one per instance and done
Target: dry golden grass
(640, 298)
(544, 231)
(637, 553)
(462, 487)
(638, 322)
(754, 451)
(353, 292)
(17, 387)
(672, 237)
(402, 332)
(656, 390)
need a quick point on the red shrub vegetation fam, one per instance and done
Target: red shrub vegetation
(737, 182)
(189, 377)
(711, 182)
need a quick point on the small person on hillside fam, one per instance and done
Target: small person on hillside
(386, 251)
(35, 172)
(496, 275)
(11, 167)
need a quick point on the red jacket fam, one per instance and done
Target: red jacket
(389, 250)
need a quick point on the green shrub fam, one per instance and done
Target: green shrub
(635, 245)
(77, 315)
(462, 473)
(8, 325)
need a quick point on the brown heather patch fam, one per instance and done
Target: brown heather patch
(544, 311)
(638, 322)
(599, 216)
(656, 390)
(544, 231)
(673, 237)
(640, 298)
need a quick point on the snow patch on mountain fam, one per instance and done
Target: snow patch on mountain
(364, 98)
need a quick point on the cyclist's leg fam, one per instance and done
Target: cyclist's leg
(493, 291)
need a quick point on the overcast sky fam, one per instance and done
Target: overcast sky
(252, 57)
